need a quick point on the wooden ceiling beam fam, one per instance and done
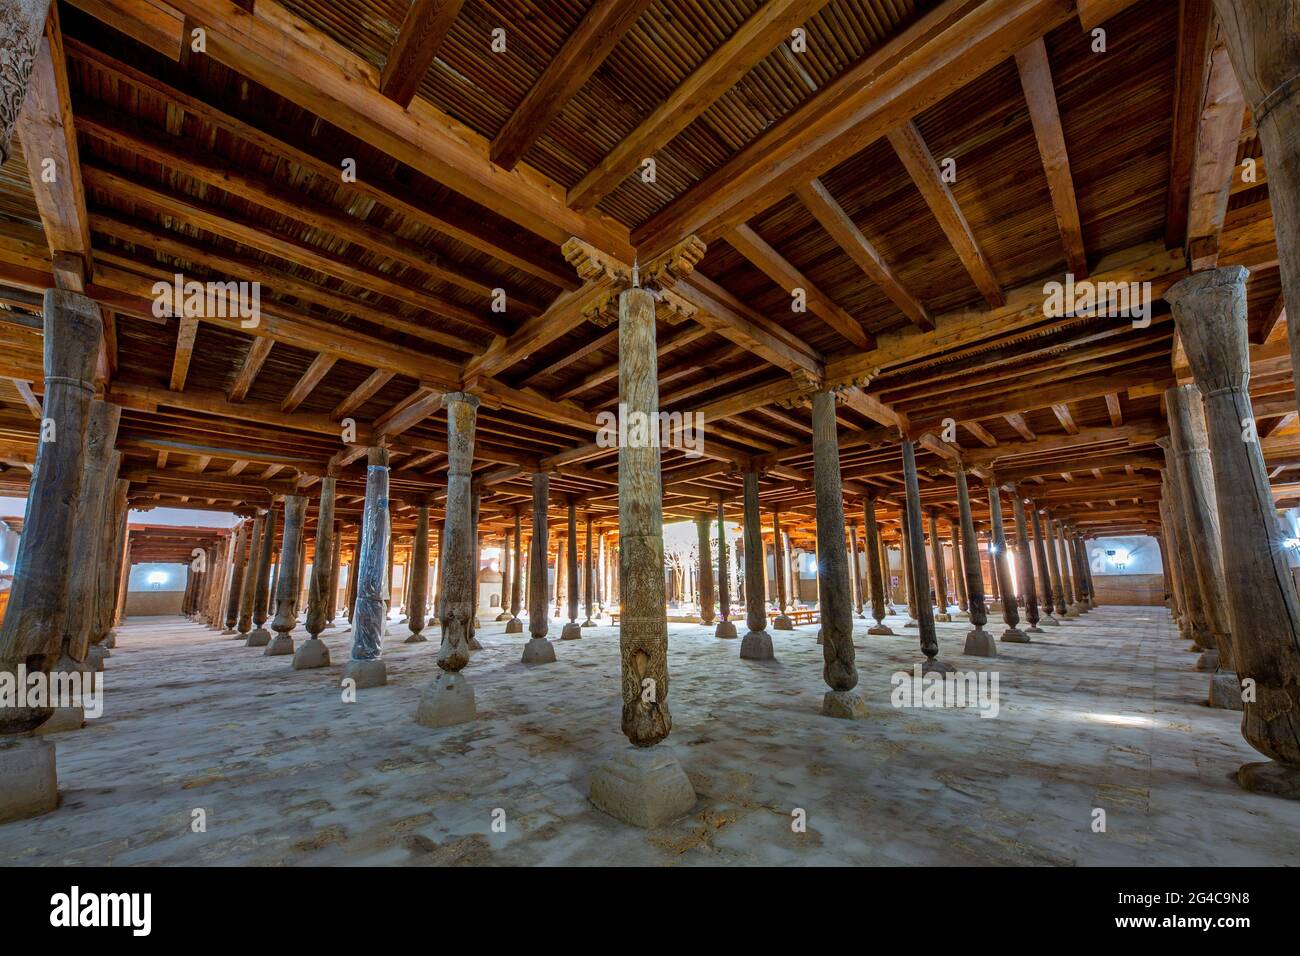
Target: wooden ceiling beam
(723, 68)
(596, 36)
(1276, 316)
(186, 330)
(1214, 159)
(319, 368)
(1196, 31)
(361, 394)
(294, 59)
(777, 268)
(1062, 413)
(258, 350)
(29, 398)
(1040, 95)
(425, 26)
(917, 159)
(409, 412)
(1113, 409)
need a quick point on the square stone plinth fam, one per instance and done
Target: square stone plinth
(643, 786)
(29, 785)
(448, 700)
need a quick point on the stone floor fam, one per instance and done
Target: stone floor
(1103, 712)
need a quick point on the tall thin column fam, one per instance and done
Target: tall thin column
(725, 629)
(1025, 563)
(958, 572)
(237, 578)
(834, 601)
(1044, 567)
(508, 545)
(644, 784)
(35, 622)
(561, 567)
(450, 698)
(475, 560)
(262, 593)
(1058, 586)
(877, 576)
(909, 578)
(916, 552)
(1263, 610)
(979, 642)
(572, 630)
(354, 575)
(1195, 625)
(856, 566)
(940, 579)
(706, 570)
(757, 642)
(290, 583)
(588, 573)
(1083, 583)
(781, 568)
(417, 589)
(336, 564)
(514, 625)
(1067, 572)
(539, 650)
(248, 588)
(1002, 569)
(366, 667)
(314, 652)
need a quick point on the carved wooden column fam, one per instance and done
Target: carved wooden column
(237, 576)
(835, 603)
(588, 573)
(336, 566)
(1080, 553)
(417, 588)
(475, 562)
(561, 567)
(450, 698)
(114, 547)
(757, 642)
(859, 602)
(1263, 610)
(354, 575)
(1044, 567)
(1002, 570)
(248, 588)
(1196, 625)
(1067, 572)
(366, 666)
(979, 642)
(958, 572)
(290, 582)
(262, 590)
(876, 576)
(644, 784)
(909, 577)
(22, 22)
(940, 578)
(39, 615)
(314, 652)
(539, 650)
(507, 547)
(915, 544)
(1194, 474)
(1025, 562)
(514, 625)
(1058, 587)
(706, 570)
(1260, 37)
(725, 629)
(1087, 571)
(572, 631)
(782, 569)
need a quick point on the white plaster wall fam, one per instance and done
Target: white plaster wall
(1142, 552)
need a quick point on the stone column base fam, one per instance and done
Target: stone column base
(448, 700)
(312, 653)
(725, 630)
(880, 629)
(503, 616)
(1014, 635)
(538, 650)
(416, 638)
(1209, 661)
(473, 644)
(226, 632)
(571, 632)
(1267, 776)
(279, 646)
(1049, 621)
(95, 658)
(366, 673)
(1034, 629)
(258, 638)
(514, 626)
(943, 618)
(782, 623)
(936, 666)
(643, 786)
(912, 622)
(843, 704)
(63, 718)
(1072, 610)
(1225, 691)
(980, 643)
(29, 784)
(111, 640)
(757, 646)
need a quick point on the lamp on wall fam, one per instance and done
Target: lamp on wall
(1118, 558)
(156, 579)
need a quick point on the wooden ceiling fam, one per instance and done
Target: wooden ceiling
(920, 170)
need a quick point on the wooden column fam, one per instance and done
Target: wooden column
(572, 630)
(856, 568)
(1002, 570)
(561, 568)
(290, 581)
(725, 629)
(508, 546)
(877, 576)
(706, 570)
(248, 588)
(1058, 587)
(237, 578)
(313, 652)
(909, 578)
(1025, 563)
(940, 578)
(354, 568)
(1084, 583)
(1196, 496)
(958, 572)
(366, 666)
(449, 699)
(781, 567)
(1196, 625)
(836, 605)
(588, 575)
(1260, 37)
(757, 642)
(336, 565)
(35, 620)
(979, 642)
(1044, 567)
(916, 553)
(107, 570)
(417, 590)
(1263, 611)
(514, 625)
(260, 637)
(1067, 571)
(475, 563)
(539, 650)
